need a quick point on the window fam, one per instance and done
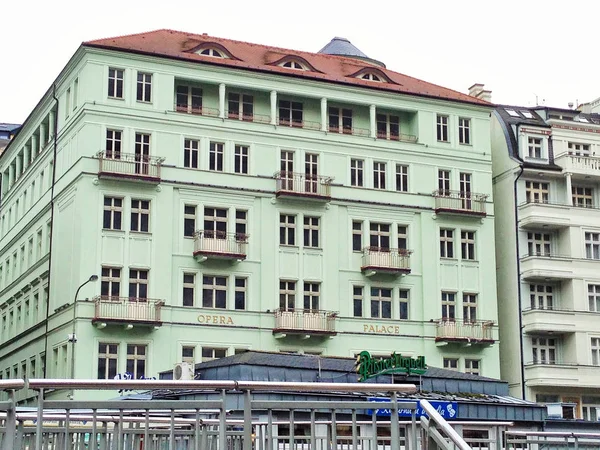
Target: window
(541, 296)
(534, 147)
(140, 215)
(311, 231)
(473, 366)
(287, 295)
(464, 131)
(403, 297)
(138, 284)
(467, 245)
(544, 350)
(215, 156)
(388, 126)
(67, 106)
(142, 153)
(212, 52)
(444, 182)
(287, 229)
(75, 92)
(113, 213)
(241, 159)
(144, 87)
(582, 196)
(402, 237)
(215, 223)
(136, 360)
(214, 292)
(190, 153)
(115, 83)
(311, 297)
(470, 308)
(536, 192)
(446, 243)
(579, 149)
(108, 355)
(594, 297)
(356, 172)
(113, 144)
(189, 220)
(189, 289)
(340, 120)
(595, 351)
(451, 364)
(188, 355)
(293, 65)
(381, 303)
(208, 354)
(290, 113)
(357, 301)
(379, 236)
(241, 287)
(442, 128)
(240, 106)
(110, 285)
(241, 225)
(592, 245)
(189, 99)
(590, 408)
(357, 228)
(448, 306)
(401, 178)
(538, 244)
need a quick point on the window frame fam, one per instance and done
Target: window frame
(139, 284)
(442, 125)
(189, 220)
(536, 190)
(464, 130)
(191, 153)
(218, 292)
(241, 159)
(357, 172)
(108, 280)
(106, 356)
(144, 87)
(140, 215)
(216, 156)
(189, 287)
(547, 345)
(403, 304)
(447, 243)
(381, 305)
(287, 295)
(136, 358)
(289, 113)
(112, 211)
(287, 230)
(116, 83)
(448, 300)
(358, 298)
(467, 245)
(401, 177)
(312, 231)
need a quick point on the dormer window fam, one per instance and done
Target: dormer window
(370, 76)
(211, 51)
(293, 64)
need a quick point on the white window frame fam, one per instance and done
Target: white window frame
(377, 298)
(442, 127)
(144, 87)
(287, 295)
(467, 245)
(191, 153)
(209, 283)
(595, 350)
(137, 280)
(464, 131)
(542, 296)
(288, 223)
(582, 196)
(447, 243)
(189, 218)
(448, 305)
(539, 243)
(470, 307)
(312, 296)
(535, 145)
(379, 175)
(135, 357)
(111, 278)
(312, 231)
(241, 157)
(592, 245)
(357, 172)
(189, 285)
(544, 350)
(216, 156)
(112, 211)
(450, 363)
(358, 300)
(401, 177)
(404, 299)
(141, 211)
(117, 77)
(108, 356)
(594, 297)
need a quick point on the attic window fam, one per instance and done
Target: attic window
(370, 76)
(210, 51)
(527, 114)
(583, 119)
(512, 113)
(293, 64)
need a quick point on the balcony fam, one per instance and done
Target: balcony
(396, 137)
(546, 267)
(304, 322)
(306, 124)
(129, 311)
(456, 202)
(468, 332)
(543, 215)
(196, 109)
(354, 131)
(220, 245)
(394, 261)
(304, 186)
(555, 321)
(129, 166)
(561, 374)
(579, 165)
(248, 117)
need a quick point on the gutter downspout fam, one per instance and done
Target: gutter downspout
(520, 306)
(54, 152)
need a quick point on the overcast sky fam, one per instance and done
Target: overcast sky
(522, 50)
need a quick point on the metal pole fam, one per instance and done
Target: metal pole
(172, 431)
(39, 424)
(394, 424)
(8, 440)
(413, 429)
(247, 420)
(222, 423)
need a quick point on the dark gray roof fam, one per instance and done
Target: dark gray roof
(340, 46)
(9, 126)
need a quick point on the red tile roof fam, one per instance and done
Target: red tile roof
(337, 69)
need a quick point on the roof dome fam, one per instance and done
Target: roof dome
(340, 46)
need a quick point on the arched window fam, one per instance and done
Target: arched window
(370, 76)
(210, 51)
(293, 64)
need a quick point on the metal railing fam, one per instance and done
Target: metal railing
(305, 320)
(258, 118)
(129, 165)
(459, 329)
(457, 201)
(198, 110)
(302, 184)
(549, 440)
(393, 259)
(127, 309)
(306, 124)
(355, 131)
(219, 243)
(397, 137)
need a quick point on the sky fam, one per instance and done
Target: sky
(526, 52)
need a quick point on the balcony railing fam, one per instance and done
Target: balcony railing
(457, 202)
(259, 118)
(464, 330)
(198, 110)
(582, 164)
(220, 245)
(294, 184)
(304, 321)
(128, 310)
(385, 260)
(396, 137)
(355, 131)
(129, 165)
(306, 124)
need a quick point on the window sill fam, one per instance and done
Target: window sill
(112, 230)
(116, 98)
(442, 258)
(141, 233)
(289, 246)
(443, 142)
(143, 102)
(467, 144)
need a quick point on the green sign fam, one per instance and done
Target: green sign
(368, 367)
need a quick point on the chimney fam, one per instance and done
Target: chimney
(477, 91)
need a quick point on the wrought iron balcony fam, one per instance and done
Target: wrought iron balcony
(304, 321)
(396, 137)
(457, 202)
(259, 118)
(196, 109)
(467, 331)
(127, 310)
(220, 245)
(385, 260)
(305, 186)
(128, 165)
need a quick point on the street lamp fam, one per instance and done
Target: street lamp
(72, 336)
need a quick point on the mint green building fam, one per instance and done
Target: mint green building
(231, 196)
